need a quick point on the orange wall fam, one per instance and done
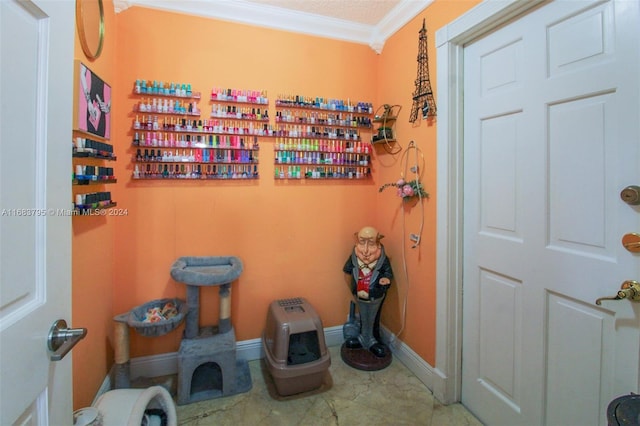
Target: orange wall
(293, 236)
(93, 257)
(397, 71)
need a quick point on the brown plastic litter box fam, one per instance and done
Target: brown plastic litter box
(296, 354)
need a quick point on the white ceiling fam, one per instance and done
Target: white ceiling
(368, 12)
(368, 22)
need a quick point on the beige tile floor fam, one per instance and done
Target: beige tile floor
(349, 397)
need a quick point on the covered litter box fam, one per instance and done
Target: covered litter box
(296, 354)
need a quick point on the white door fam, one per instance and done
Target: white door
(551, 137)
(36, 75)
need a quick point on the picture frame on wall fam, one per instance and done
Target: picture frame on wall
(93, 111)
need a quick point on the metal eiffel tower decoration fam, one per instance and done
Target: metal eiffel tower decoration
(423, 100)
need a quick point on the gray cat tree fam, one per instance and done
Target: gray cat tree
(207, 364)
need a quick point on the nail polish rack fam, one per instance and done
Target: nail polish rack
(218, 157)
(321, 118)
(88, 174)
(316, 138)
(195, 171)
(93, 204)
(222, 147)
(167, 107)
(154, 123)
(257, 97)
(83, 148)
(91, 173)
(299, 116)
(318, 103)
(160, 88)
(231, 107)
(195, 156)
(319, 138)
(177, 107)
(320, 172)
(249, 113)
(321, 159)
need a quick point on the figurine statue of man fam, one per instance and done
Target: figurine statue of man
(368, 274)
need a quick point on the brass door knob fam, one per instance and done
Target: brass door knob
(631, 195)
(631, 241)
(629, 289)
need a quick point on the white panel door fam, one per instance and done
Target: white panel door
(551, 113)
(36, 74)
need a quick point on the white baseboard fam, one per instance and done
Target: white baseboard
(418, 366)
(250, 350)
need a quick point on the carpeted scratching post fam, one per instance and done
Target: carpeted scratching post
(207, 364)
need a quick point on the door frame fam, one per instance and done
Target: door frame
(450, 42)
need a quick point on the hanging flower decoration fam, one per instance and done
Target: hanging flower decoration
(406, 189)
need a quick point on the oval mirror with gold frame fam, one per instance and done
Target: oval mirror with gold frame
(90, 23)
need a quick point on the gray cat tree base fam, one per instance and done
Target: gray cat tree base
(207, 363)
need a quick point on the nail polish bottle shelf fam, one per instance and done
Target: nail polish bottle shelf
(197, 145)
(318, 136)
(195, 95)
(98, 155)
(136, 109)
(99, 150)
(196, 132)
(93, 211)
(325, 121)
(90, 181)
(193, 162)
(233, 101)
(84, 146)
(322, 145)
(230, 117)
(198, 178)
(223, 146)
(336, 151)
(319, 164)
(322, 172)
(239, 96)
(346, 124)
(202, 155)
(320, 158)
(361, 110)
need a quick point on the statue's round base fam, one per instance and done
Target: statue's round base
(363, 359)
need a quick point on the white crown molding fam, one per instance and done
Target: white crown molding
(120, 5)
(397, 18)
(289, 20)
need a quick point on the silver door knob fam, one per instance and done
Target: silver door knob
(62, 339)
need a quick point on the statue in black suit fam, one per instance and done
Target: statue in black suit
(368, 273)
